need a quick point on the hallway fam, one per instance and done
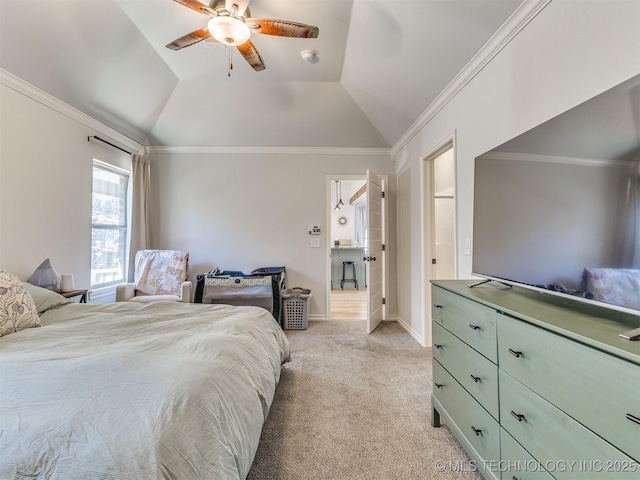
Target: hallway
(349, 304)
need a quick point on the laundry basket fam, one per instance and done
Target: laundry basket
(296, 308)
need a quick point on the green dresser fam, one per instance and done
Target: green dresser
(536, 386)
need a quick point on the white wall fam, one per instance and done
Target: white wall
(337, 231)
(240, 211)
(235, 211)
(45, 185)
(570, 52)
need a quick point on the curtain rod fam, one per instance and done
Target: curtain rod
(108, 143)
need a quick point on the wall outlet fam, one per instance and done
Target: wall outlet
(314, 242)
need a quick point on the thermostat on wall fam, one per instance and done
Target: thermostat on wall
(314, 229)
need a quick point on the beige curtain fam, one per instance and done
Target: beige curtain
(140, 184)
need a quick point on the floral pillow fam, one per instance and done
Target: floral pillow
(17, 308)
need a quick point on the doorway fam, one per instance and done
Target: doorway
(348, 237)
(356, 258)
(438, 220)
(443, 208)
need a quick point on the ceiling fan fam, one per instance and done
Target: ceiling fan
(231, 24)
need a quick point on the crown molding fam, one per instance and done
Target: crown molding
(341, 151)
(48, 100)
(526, 12)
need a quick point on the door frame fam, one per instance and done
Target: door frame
(329, 242)
(426, 217)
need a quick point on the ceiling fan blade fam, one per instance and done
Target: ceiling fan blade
(282, 28)
(189, 39)
(195, 5)
(251, 55)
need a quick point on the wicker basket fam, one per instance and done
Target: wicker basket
(296, 308)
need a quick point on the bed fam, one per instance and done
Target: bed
(162, 390)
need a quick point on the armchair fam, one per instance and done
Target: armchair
(159, 275)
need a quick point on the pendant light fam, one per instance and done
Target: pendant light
(337, 207)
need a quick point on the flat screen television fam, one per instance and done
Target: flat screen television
(557, 208)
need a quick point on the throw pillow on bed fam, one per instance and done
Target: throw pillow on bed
(17, 308)
(44, 298)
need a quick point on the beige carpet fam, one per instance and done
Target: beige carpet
(356, 406)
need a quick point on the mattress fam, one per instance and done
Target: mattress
(138, 391)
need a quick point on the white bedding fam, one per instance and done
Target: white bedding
(138, 391)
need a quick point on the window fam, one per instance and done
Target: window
(109, 225)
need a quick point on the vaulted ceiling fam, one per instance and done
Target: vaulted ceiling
(380, 64)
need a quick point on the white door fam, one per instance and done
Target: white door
(373, 255)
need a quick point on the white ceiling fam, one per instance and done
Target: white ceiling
(381, 63)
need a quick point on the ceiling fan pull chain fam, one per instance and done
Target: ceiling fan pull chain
(230, 62)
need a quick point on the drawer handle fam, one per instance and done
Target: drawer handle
(515, 353)
(474, 327)
(437, 306)
(517, 416)
(475, 379)
(439, 385)
(438, 346)
(633, 418)
(477, 431)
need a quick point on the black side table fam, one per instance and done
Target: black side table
(75, 293)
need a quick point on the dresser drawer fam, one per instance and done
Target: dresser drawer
(470, 321)
(516, 462)
(475, 373)
(593, 387)
(471, 420)
(563, 446)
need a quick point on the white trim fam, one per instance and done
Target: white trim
(111, 168)
(48, 100)
(427, 240)
(509, 29)
(534, 157)
(411, 332)
(317, 318)
(229, 149)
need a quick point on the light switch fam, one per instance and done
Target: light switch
(467, 246)
(314, 242)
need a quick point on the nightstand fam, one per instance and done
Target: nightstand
(76, 293)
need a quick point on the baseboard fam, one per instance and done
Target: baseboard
(410, 330)
(323, 318)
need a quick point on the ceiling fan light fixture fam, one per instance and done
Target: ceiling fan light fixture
(229, 30)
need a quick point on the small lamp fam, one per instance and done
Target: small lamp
(66, 283)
